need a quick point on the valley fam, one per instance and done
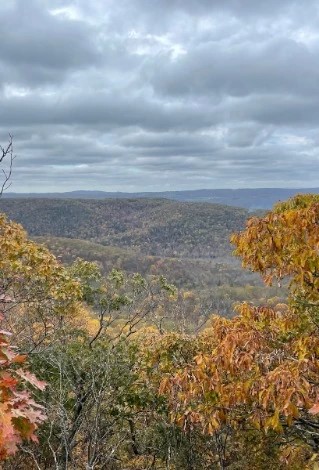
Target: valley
(187, 243)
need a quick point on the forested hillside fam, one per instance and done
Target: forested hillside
(153, 227)
(188, 243)
(214, 284)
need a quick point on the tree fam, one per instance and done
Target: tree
(261, 368)
(37, 294)
(6, 162)
(94, 398)
(20, 415)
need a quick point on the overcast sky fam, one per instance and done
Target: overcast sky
(145, 95)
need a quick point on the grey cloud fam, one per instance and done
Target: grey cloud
(170, 143)
(31, 36)
(277, 110)
(165, 15)
(239, 70)
(237, 6)
(247, 135)
(91, 108)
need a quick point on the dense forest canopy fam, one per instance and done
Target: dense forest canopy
(187, 243)
(154, 227)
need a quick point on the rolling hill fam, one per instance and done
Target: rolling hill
(186, 242)
(149, 226)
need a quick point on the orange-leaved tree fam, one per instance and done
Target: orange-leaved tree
(261, 368)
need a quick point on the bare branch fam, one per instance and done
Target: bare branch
(6, 155)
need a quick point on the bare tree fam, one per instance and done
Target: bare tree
(6, 161)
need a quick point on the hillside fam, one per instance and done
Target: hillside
(152, 227)
(216, 284)
(188, 243)
(191, 273)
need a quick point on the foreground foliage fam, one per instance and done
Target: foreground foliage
(261, 368)
(124, 392)
(20, 415)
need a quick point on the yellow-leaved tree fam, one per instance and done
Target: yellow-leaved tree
(260, 369)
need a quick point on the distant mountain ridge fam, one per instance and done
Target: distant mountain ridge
(251, 199)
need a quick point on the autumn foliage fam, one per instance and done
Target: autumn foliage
(123, 392)
(34, 289)
(20, 415)
(285, 243)
(261, 368)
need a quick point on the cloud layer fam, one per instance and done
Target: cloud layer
(134, 95)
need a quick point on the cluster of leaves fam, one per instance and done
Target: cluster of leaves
(20, 415)
(36, 291)
(285, 243)
(257, 368)
(260, 369)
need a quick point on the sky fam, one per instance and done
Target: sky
(151, 95)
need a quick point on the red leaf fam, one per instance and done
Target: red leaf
(314, 409)
(31, 379)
